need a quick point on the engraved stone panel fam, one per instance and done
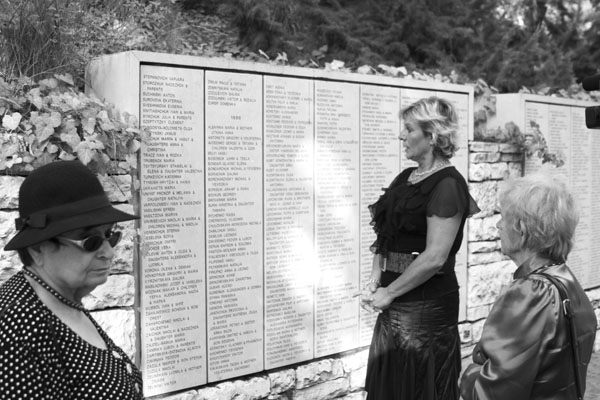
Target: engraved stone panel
(288, 209)
(337, 200)
(561, 123)
(172, 224)
(255, 230)
(234, 224)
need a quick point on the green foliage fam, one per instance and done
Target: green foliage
(32, 40)
(42, 37)
(50, 120)
(260, 23)
(511, 44)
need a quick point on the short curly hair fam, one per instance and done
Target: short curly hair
(437, 119)
(542, 209)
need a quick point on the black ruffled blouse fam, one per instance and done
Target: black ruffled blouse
(399, 217)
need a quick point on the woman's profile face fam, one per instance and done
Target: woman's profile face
(416, 144)
(510, 239)
(71, 267)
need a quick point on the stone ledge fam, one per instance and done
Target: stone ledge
(485, 258)
(320, 371)
(251, 389)
(476, 158)
(325, 390)
(509, 148)
(484, 247)
(191, 395)
(511, 157)
(483, 147)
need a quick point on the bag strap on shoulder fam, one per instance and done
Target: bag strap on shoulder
(568, 312)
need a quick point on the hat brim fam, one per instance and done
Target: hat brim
(29, 236)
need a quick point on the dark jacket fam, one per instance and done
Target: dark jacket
(525, 352)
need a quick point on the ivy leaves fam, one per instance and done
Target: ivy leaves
(50, 119)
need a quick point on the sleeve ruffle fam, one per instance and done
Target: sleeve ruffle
(388, 216)
(380, 211)
(449, 198)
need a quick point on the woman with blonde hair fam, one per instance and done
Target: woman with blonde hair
(535, 343)
(419, 220)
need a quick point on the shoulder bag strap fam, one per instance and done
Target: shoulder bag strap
(568, 312)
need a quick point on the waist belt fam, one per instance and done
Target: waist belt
(397, 262)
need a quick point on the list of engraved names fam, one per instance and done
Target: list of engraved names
(234, 224)
(172, 250)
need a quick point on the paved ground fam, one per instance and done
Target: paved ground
(593, 378)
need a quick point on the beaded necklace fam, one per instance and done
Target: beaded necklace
(418, 176)
(54, 292)
(115, 351)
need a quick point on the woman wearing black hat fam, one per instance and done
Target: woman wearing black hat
(50, 346)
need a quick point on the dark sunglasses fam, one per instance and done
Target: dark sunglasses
(94, 242)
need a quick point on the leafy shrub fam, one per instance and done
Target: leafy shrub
(40, 38)
(49, 120)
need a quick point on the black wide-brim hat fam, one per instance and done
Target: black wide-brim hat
(60, 197)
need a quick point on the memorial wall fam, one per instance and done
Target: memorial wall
(562, 124)
(254, 190)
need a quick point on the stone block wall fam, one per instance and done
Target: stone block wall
(337, 377)
(341, 378)
(490, 164)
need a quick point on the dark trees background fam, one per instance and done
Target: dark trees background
(510, 44)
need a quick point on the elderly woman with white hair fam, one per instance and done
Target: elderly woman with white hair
(534, 344)
(419, 220)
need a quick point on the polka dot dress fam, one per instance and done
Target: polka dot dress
(42, 358)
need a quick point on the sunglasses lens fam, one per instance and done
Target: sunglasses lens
(92, 243)
(114, 238)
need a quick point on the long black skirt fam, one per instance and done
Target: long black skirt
(415, 351)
